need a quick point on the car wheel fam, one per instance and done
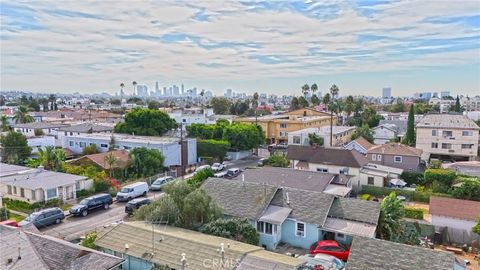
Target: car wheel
(144, 193)
(57, 221)
(84, 213)
(106, 206)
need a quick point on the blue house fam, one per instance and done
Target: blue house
(294, 216)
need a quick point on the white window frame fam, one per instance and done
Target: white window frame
(322, 170)
(379, 157)
(467, 133)
(304, 229)
(399, 161)
(374, 157)
(46, 193)
(368, 180)
(70, 143)
(299, 139)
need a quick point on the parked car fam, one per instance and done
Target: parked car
(227, 157)
(203, 167)
(321, 261)
(135, 204)
(216, 167)
(262, 162)
(91, 203)
(9, 222)
(157, 184)
(132, 191)
(233, 172)
(330, 247)
(44, 217)
(220, 174)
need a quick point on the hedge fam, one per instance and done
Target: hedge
(443, 176)
(26, 207)
(417, 196)
(4, 214)
(84, 193)
(212, 148)
(414, 213)
(413, 178)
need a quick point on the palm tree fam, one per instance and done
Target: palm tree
(314, 88)
(305, 90)
(326, 100)
(51, 158)
(4, 123)
(21, 116)
(134, 87)
(202, 93)
(334, 92)
(110, 160)
(349, 106)
(52, 100)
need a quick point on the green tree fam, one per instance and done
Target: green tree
(178, 190)
(111, 161)
(146, 122)
(199, 209)
(235, 229)
(314, 139)
(243, 136)
(398, 106)
(469, 190)
(458, 106)
(239, 107)
(277, 160)
(314, 89)
(370, 117)
(409, 138)
(4, 123)
(4, 214)
(212, 148)
(303, 102)
(112, 145)
(197, 179)
(153, 105)
(89, 240)
(391, 213)
(115, 101)
(476, 228)
(363, 131)
(14, 148)
(295, 104)
(315, 100)
(163, 210)
(145, 162)
(220, 105)
(90, 149)
(21, 115)
(51, 158)
(305, 90)
(349, 106)
(326, 99)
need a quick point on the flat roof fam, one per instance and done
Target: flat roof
(324, 130)
(129, 138)
(454, 121)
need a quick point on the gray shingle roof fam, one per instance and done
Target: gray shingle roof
(285, 177)
(87, 128)
(307, 206)
(239, 199)
(376, 254)
(40, 125)
(327, 156)
(356, 210)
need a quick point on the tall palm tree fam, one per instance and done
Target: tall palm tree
(349, 105)
(134, 87)
(334, 92)
(52, 100)
(202, 93)
(314, 88)
(4, 123)
(305, 90)
(21, 116)
(326, 100)
(110, 160)
(51, 158)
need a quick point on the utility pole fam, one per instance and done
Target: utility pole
(331, 126)
(182, 167)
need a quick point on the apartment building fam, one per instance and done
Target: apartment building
(277, 127)
(341, 135)
(448, 137)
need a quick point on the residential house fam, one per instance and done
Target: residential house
(371, 253)
(189, 116)
(39, 128)
(37, 184)
(99, 160)
(84, 128)
(335, 184)
(396, 155)
(28, 249)
(361, 145)
(341, 135)
(294, 216)
(144, 246)
(384, 133)
(447, 137)
(378, 175)
(169, 146)
(457, 216)
(277, 126)
(471, 168)
(64, 115)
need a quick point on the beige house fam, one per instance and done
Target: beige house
(37, 184)
(277, 127)
(448, 136)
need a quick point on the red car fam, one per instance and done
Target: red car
(10, 222)
(330, 247)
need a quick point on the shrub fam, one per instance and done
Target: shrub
(25, 207)
(365, 197)
(469, 190)
(38, 132)
(84, 193)
(414, 213)
(101, 185)
(413, 178)
(89, 240)
(417, 196)
(197, 179)
(4, 214)
(212, 148)
(444, 177)
(278, 160)
(236, 229)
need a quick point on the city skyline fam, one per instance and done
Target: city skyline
(270, 47)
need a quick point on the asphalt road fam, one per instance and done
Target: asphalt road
(73, 228)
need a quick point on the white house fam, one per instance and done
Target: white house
(37, 184)
(341, 135)
(168, 146)
(40, 142)
(46, 128)
(384, 133)
(458, 216)
(361, 145)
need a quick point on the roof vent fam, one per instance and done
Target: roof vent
(287, 197)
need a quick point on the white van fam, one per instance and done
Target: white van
(132, 191)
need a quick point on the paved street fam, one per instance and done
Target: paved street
(73, 228)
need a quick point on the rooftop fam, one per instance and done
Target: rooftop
(130, 138)
(447, 121)
(395, 149)
(324, 130)
(86, 128)
(121, 159)
(40, 125)
(327, 156)
(35, 178)
(376, 254)
(455, 208)
(364, 143)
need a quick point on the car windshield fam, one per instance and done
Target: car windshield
(32, 217)
(339, 265)
(85, 201)
(216, 164)
(126, 190)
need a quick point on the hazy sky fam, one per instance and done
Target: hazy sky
(268, 46)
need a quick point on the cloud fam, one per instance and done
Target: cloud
(95, 45)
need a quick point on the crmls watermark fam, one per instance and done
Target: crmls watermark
(219, 263)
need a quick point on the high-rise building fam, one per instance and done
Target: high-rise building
(183, 90)
(387, 92)
(156, 87)
(142, 90)
(444, 94)
(164, 91)
(176, 91)
(228, 93)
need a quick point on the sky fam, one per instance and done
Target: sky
(265, 46)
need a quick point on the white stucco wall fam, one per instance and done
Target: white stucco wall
(455, 223)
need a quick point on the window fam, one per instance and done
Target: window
(323, 170)
(371, 180)
(283, 134)
(260, 226)
(446, 146)
(71, 133)
(283, 125)
(434, 132)
(434, 145)
(9, 189)
(374, 157)
(300, 231)
(397, 159)
(467, 146)
(296, 139)
(104, 145)
(268, 228)
(14, 190)
(467, 133)
(77, 185)
(126, 147)
(51, 193)
(34, 195)
(447, 133)
(83, 144)
(70, 143)
(265, 227)
(379, 157)
(66, 133)
(340, 236)
(22, 192)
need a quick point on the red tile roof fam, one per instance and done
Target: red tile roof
(455, 208)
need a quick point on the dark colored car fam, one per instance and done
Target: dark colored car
(44, 217)
(330, 247)
(135, 204)
(232, 173)
(86, 205)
